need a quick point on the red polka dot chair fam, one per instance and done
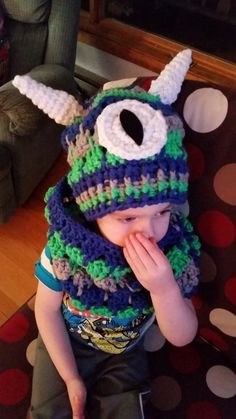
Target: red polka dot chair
(17, 348)
(209, 114)
(198, 380)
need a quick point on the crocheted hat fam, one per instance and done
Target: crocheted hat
(125, 144)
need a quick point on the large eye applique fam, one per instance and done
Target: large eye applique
(131, 129)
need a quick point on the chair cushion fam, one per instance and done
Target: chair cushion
(209, 113)
(4, 49)
(33, 11)
(189, 382)
(24, 117)
(17, 342)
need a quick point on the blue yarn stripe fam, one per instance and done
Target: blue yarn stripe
(77, 236)
(174, 197)
(129, 170)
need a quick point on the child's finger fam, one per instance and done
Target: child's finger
(131, 263)
(131, 249)
(138, 254)
(143, 253)
(133, 260)
(152, 249)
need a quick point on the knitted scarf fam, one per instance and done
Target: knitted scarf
(94, 272)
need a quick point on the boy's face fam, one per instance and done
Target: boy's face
(150, 220)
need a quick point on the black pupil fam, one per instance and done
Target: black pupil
(132, 125)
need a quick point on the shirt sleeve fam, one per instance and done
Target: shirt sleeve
(44, 271)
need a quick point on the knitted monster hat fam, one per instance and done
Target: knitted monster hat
(125, 145)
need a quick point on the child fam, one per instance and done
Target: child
(119, 253)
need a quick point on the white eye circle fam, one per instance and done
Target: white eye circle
(115, 139)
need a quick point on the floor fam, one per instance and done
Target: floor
(22, 239)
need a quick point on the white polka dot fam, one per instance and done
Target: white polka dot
(31, 351)
(224, 320)
(205, 109)
(221, 381)
(154, 340)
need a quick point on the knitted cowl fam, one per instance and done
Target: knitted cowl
(94, 272)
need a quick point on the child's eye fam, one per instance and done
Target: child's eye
(127, 220)
(165, 211)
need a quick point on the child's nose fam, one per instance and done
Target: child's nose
(148, 230)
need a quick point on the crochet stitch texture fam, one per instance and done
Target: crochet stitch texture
(125, 151)
(103, 182)
(94, 272)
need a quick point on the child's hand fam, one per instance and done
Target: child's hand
(77, 395)
(149, 264)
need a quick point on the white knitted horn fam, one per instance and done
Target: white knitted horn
(168, 84)
(57, 104)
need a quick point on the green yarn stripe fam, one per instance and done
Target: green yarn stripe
(178, 260)
(131, 190)
(196, 244)
(118, 273)
(129, 94)
(47, 196)
(173, 147)
(59, 249)
(87, 164)
(98, 269)
(113, 160)
(75, 174)
(49, 193)
(92, 161)
(188, 226)
(47, 215)
(78, 119)
(129, 312)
